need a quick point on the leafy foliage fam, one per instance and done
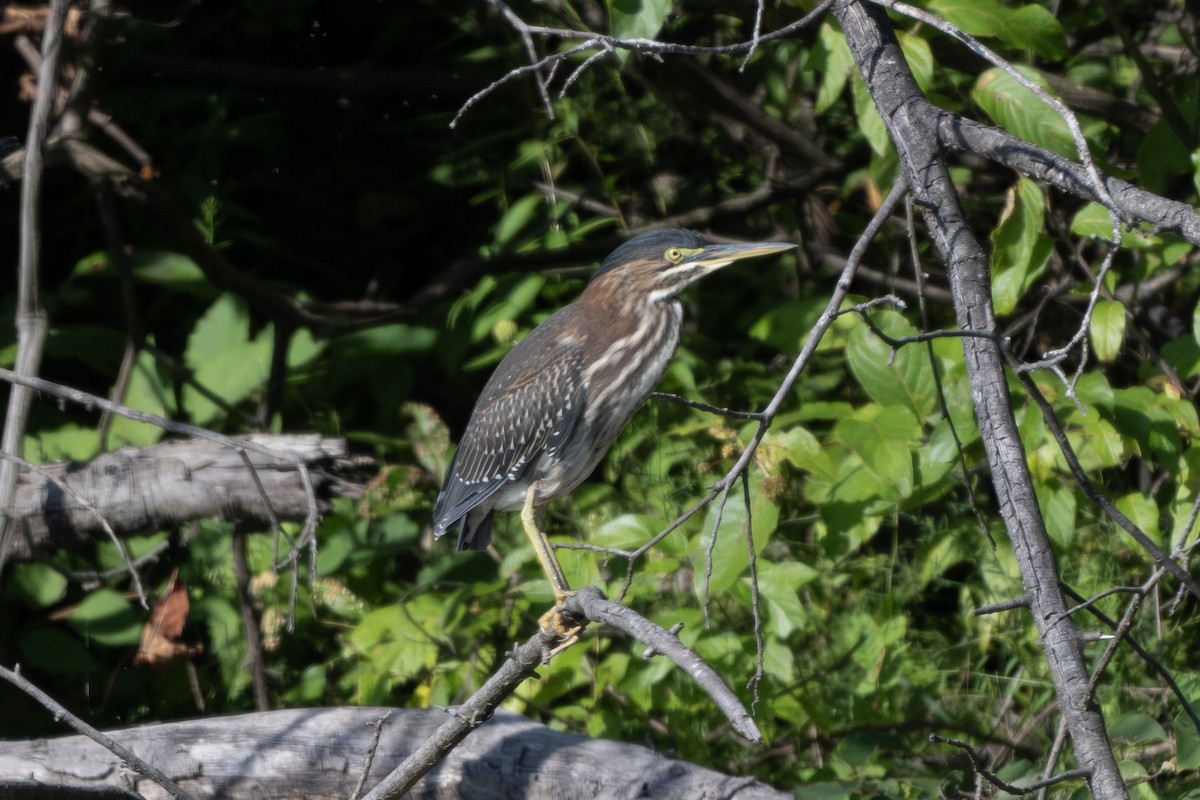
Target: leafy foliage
(872, 524)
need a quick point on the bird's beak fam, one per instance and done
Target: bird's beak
(715, 256)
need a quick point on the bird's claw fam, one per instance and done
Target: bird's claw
(565, 628)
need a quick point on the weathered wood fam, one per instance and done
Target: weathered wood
(142, 490)
(321, 753)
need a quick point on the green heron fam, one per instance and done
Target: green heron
(558, 400)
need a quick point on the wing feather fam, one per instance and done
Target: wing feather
(529, 408)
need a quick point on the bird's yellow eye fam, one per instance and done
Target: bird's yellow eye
(674, 255)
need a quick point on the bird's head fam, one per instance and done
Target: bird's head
(658, 265)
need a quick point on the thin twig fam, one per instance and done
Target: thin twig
(760, 648)
(253, 634)
(981, 50)
(756, 36)
(1120, 632)
(705, 407)
(995, 780)
(1152, 662)
(371, 750)
(1094, 494)
(531, 52)
(589, 40)
(923, 311)
(30, 316)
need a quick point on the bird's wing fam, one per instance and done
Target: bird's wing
(529, 408)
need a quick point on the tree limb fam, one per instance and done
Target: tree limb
(584, 605)
(895, 93)
(159, 487)
(319, 754)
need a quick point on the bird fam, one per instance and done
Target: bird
(560, 397)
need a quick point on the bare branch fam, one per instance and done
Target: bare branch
(995, 780)
(603, 43)
(30, 317)
(587, 604)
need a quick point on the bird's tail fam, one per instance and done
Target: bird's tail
(475, 534)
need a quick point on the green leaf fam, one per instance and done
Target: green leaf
(1098, 445)
(1020, 250)
(156, 267)
(303, 348)
(787, 326)
(1142, 511)
(903, 378)
(35, 584)
(779, 586)
(147, 391)
(638, 19)
(885, 444)
(1138, 728)
(396, 639)
(68, 442)
(870, 124)
(1183, 353)
(834, 63)
(1162, 156)
(57, 652)
(1031, 26)
(519, 295)
(627, 531)
(1107, 329)
(1022, 221)
(1017, 110)
(919, 58)
(515, 218)
(1094, 220)
(224, 359)
(1058, 509)
(107, 617)
(1187, 743)
(730, 558)
(1196, 324)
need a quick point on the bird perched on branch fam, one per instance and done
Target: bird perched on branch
(558, 400)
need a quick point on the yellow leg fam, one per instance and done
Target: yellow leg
(541, 546)
(552, 620)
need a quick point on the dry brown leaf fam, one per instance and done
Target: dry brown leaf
(161, 644)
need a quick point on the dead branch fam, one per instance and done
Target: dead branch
(160, 487)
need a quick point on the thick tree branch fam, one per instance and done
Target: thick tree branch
(319, 754)
(895, 93)
(957, 132)
(160, 487)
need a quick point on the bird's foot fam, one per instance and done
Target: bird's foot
(555, 623)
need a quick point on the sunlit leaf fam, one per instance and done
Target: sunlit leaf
(1021, 113)
(1107, 329)
(730, 555)
(1029, 26)
(107, 617)
(225, 359)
